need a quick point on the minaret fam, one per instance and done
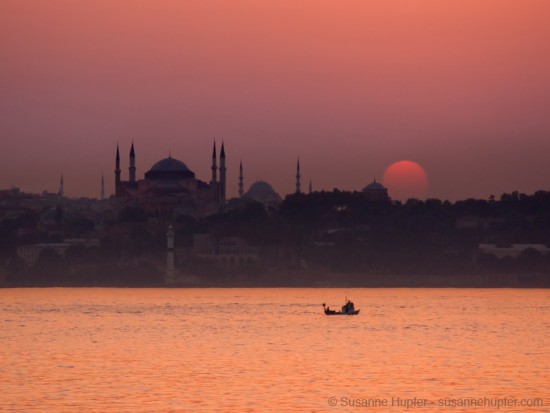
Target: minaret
(298, 176)
(117, 171)
(170, 276)
(102, 195)
(214, 166)
(132, 167)
(241, 180)
(222, 176)
(310, 187)
(61, 191)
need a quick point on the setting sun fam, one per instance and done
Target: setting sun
(406, 179)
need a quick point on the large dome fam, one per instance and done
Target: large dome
(169, 168)
(169, 165)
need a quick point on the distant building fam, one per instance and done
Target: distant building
(228, 251)
(513, 250)
(469, 222)
(30, 253)
(375, 191)
(171, 187)
(259, 191)
(263, 192)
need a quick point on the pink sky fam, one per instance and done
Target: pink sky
(461, 87)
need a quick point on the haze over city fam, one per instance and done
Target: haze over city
(274, 205)
(461, 88)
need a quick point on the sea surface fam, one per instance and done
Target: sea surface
(273, 350)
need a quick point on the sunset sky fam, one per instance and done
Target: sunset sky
(460, 87)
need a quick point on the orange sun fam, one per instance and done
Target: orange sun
(406, 179)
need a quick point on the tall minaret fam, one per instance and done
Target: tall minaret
(132, 167)
(298, 176)
(102, 195)
(61, 191)
(241, 180)
(222, 176)
(117, 171)
(214, 166)
(170, 276)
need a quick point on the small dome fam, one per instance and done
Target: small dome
(264, 193)
(261, 187)
(374, 186)
(376, 192)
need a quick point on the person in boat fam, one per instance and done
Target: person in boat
(329, 311)
(349, 307)
(346, 307)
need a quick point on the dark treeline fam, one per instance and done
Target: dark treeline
(320, 233)
(344, 232)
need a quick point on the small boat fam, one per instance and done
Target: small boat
(347, 309)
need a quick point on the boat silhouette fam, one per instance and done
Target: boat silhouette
(347, 309)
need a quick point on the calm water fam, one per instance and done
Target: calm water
(271, 350)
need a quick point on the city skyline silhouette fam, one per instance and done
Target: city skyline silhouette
(459, 88)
